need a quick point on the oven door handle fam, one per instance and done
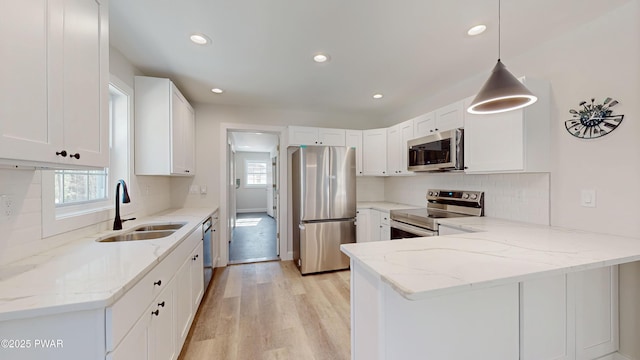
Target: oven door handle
(412, 229)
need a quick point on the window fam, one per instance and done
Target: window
(256, 173)
(74, 187)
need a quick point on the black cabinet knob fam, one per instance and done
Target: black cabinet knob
(159, 283)
(156, 313)
(62, 153)
(76, 155)
(186, 171)
(161, 304)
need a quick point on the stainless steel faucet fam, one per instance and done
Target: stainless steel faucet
(117, 222)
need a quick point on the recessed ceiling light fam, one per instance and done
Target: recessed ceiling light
(378, 96)
(217, 91)
(477, 30)
(199, 39)
(320, 58)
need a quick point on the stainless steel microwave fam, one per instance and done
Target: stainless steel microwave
(437, 152)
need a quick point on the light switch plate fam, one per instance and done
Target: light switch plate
(588, 198)
(194, 189)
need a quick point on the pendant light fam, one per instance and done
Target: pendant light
(502, 91)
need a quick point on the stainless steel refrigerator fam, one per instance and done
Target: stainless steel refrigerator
(324, 206)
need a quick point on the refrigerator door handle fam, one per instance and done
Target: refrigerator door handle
(301, 226)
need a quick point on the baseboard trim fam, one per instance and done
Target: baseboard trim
(615, 356)
(243, 211)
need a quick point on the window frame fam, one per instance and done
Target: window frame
(246, 174)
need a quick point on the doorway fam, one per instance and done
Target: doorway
(253, 157)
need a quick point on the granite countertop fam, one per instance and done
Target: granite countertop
(85, 274)
(501, 252)
(384, 206)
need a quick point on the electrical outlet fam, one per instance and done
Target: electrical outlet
(194, 189)
(203, 190)
(7, 207)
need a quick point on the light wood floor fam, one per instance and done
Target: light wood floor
(269, 311)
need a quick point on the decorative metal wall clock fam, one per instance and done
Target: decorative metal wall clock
(593, 120)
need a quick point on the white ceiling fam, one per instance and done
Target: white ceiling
(262, 49)
(253, 142)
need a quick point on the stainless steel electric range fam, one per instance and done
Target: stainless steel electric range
(421, 222)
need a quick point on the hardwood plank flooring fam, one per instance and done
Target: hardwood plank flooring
(268, 311)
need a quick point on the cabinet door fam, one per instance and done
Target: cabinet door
(450, 117)
(354, 139)
(189, 140)
(302, 135)
(495, 142)
(385, 232)
(331, 137)
(362, 225)
(374, 155)
(161, 338)
(84, 76)
(134, 345)
(180, 125)
(424, 124)
(197, 278)
(215, 242)
(545, 309)
(26, 130)
(393, 150)
(183, 302)
(596, 312)
(375, 225)
(406, 134)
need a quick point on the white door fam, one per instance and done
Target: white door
(231, 162)
(269, 188)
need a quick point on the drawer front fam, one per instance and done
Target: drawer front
(121, 316)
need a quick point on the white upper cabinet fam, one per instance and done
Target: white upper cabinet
(442, 119)
(397, 137)
(353, 138)
(424, 124)
(374, 155)
(512, 141)
(58, 53)
(303, 135)
(165, 129)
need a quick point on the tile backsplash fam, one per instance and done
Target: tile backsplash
(21, 233)
(519, 197)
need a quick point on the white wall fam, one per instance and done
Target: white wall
(250, 199)
(370, 188)
(598, 59)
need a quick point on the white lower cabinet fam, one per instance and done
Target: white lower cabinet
(152, 337)
(362, 225)
(564, 317)
(161, 329)
(190, 288)
(573, 316)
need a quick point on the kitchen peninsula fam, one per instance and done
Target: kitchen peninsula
(500, 290)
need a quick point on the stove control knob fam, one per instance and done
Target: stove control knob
(465, 196)
(430, 193)
(435, 193)
(474, 196)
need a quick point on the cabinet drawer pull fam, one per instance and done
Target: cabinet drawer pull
(161, 304)
(156, 313)
(76, 155)
(159, 283)
(62, 153)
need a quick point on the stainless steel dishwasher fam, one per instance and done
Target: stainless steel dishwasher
(208, 260)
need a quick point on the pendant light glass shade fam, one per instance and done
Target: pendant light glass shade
(501, 92)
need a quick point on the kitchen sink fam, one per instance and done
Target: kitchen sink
(154, 227)
(138, 235)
